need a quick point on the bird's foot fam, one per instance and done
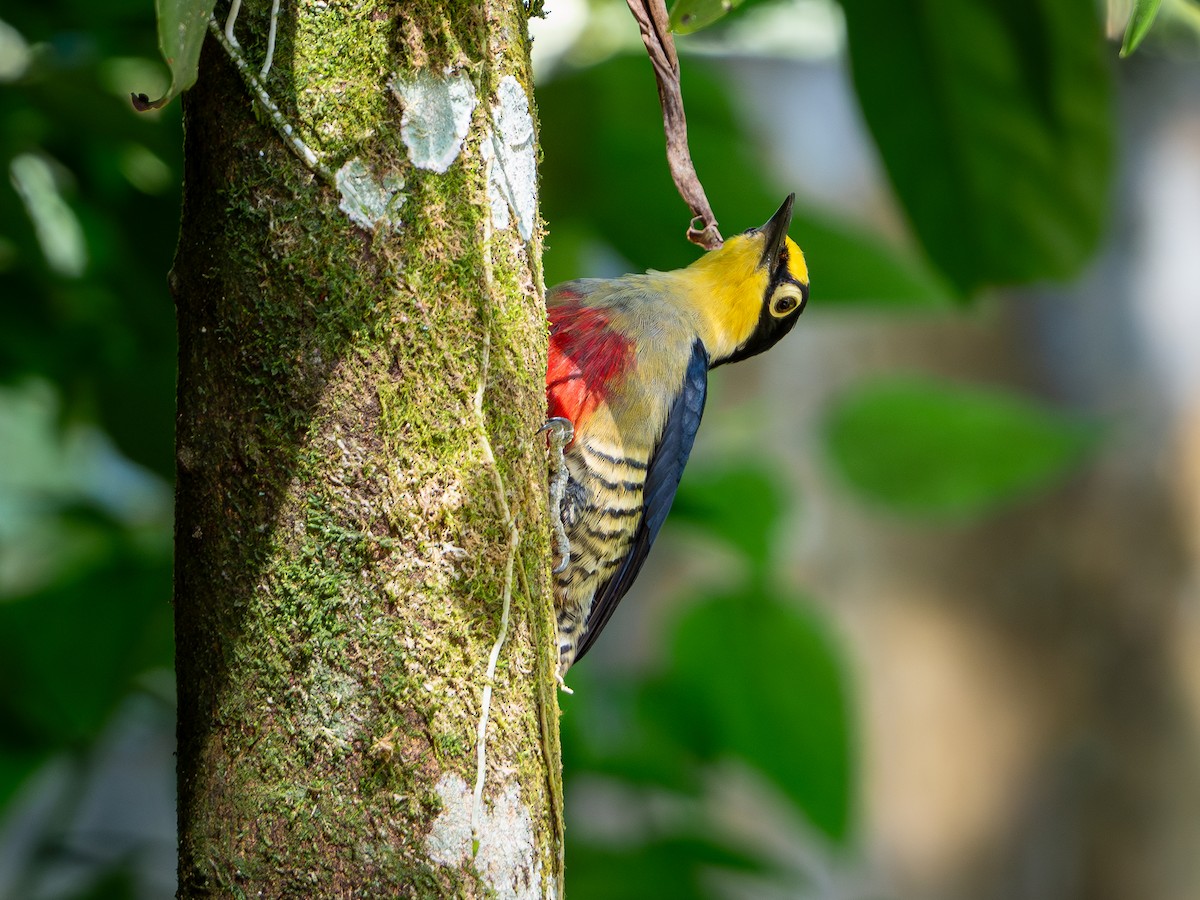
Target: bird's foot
(562, 685)
(561, 432)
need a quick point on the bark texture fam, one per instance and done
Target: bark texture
(341, 546)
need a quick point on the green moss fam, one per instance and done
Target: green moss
(340, 74)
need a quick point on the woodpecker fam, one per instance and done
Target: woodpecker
(625, 390)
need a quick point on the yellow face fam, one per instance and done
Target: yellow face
(751, 296)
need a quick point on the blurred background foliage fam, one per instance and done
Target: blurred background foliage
(725, 740)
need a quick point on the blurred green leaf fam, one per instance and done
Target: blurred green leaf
(16, 765)
(856, 267)
(922, 446)
(663, 868)
(68, 654)
(602, 734)
(994, 118)
(612, 185)
(115, 884)
(182, 25)
(85, 578)
(689, 16)
(757, 680)
(740, 505)
(1140, 20)
(107, 339)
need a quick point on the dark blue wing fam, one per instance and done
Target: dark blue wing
(662, 478)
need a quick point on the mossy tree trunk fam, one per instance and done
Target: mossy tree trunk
(362, 356)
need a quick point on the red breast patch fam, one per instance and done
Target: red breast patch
(587, 359)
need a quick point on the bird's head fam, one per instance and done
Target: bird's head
(751, 290)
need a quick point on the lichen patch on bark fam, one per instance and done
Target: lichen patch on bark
(509, 148)
(367, 200)
(506, 856)
(437, 116)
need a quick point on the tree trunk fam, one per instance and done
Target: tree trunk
(362, 363)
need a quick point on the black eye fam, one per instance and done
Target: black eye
(783, 304)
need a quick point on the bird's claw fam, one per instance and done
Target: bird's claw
(561, 432)
(561, 429)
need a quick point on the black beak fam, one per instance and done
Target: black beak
(774, 233)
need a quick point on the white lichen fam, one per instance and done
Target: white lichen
(368, 201)
(507, 856)
(496, 199)
(512, 160)
(436, 117)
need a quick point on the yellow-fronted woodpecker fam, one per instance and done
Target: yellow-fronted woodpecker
(628, 370)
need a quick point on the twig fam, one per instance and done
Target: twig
(652, 19)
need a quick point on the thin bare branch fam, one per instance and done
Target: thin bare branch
(652, 19)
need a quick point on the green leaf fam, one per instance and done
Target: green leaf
(603, 736)
(925, 447)
(16, 765)
(118, 883)
(739, 505)
(995, 122)
(756, 680)
(608, 189)
(69, 654)
(1140, 20)
(182, 25)
(670, 867)
(689, 16)
(853, 266)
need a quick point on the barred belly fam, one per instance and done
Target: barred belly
(600, 511)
